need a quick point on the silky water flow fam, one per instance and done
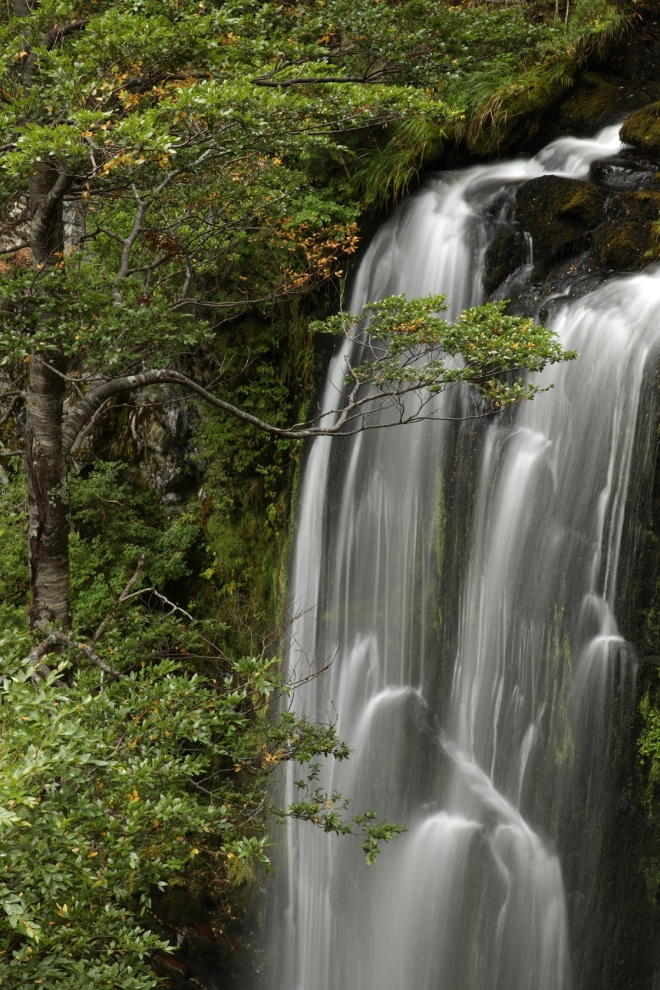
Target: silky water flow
(463, 578)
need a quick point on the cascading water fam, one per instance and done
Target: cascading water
(467, 578)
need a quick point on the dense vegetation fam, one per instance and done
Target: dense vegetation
(181, 186)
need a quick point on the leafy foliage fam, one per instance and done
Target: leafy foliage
(112, 786)
(410, 349)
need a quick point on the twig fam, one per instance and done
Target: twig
(166, 601)
(126, 593)
(61, 637)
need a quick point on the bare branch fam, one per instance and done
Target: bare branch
(65, 640)
(6, 415)
(66, 378)
(56, 34)
(126, 594)
(142, 207)
(37, 652)
(367, 77)
(357, 411)
(166, 601)
(14, 248)
(128, 243)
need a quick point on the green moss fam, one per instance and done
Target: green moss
(643, 204)
(627, 246)
(511, 113)
(250, 478)
(596, 101)
(642, 129)
(559, 213)
(14, 573)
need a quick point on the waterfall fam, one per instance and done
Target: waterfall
(465, 581)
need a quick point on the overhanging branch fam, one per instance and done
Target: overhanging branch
(353, 418)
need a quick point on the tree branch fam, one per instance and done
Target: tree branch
(367, 77)
(126, 594)
(14, 248)
(59, 32)
(60, 637)
(142, 207)
(80, 416)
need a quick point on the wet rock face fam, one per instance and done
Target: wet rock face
(505, 254)
(625, 172)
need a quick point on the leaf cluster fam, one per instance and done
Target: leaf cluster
(113, 786)
(403, 346)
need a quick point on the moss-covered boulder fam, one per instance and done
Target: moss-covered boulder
(629, 240)
(596, 101)
(559, 213)
(600, 98)
(625, 246)
(642, 129)
(512, 117)
(643, 204)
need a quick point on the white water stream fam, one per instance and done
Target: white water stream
(467, 578)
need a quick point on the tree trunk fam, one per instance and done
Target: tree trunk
(48, 526)
(47, 494)
(48, 523)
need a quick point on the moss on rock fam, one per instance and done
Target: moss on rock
(511, 116)
(641, 205)
(626, 246)
(642, 129)
(559, 213)
(599, 99)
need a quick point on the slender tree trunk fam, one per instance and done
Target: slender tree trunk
(48, 522)
(48, 525)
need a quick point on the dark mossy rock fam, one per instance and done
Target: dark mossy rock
(625, 246)
(641, 205)
(599, 99)
(642, 129)
(596, 101)
(560, 214)
(505, 254)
